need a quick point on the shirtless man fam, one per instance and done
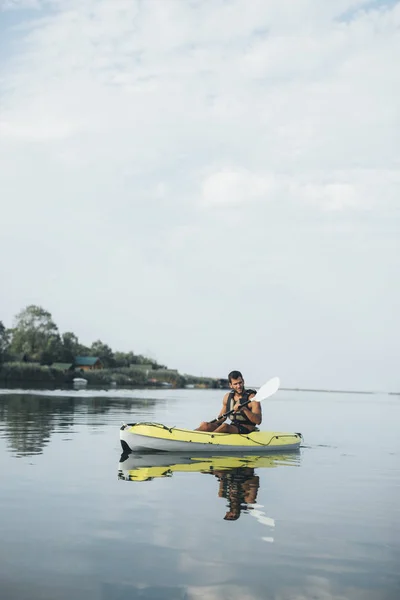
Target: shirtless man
(245, 418)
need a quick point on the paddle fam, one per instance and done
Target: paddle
(265, 391)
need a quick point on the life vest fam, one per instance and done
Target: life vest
(239, 417)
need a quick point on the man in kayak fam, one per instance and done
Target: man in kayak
(245, 418)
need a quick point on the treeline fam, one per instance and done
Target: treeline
(35, 338)
(31, 349)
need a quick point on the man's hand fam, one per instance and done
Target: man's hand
(238, 407)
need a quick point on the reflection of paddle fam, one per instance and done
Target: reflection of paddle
(265, 391)
(262, 518)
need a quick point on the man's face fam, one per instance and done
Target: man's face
(237, 385)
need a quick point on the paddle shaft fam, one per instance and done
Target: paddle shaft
(230, 412)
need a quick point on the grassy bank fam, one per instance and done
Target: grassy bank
(25, 373)
(15, 372)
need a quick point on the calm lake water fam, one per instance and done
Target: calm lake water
(75, 523)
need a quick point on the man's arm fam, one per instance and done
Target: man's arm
(224, 407)
(253, 412)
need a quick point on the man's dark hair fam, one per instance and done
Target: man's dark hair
(234, 375)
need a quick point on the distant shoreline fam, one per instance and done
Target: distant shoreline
(336, 391)
(32, 383)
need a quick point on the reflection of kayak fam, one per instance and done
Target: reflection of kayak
(156, 437)
(136, 467)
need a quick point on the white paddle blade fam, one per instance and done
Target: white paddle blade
(268, 389)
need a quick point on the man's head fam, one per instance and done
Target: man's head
(236, 381)
(232, 515)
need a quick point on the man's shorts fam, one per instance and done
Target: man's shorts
(241, 428)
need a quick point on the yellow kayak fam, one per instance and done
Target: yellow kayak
(134, 467)
(138, 437)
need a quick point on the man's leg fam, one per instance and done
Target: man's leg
(225, 428)
(204, 426)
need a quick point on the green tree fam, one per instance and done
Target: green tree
(4, 342)
(53, 351)
(83, 350)
(125, 359)
(70, 346)
(35, 333)
(104, 352)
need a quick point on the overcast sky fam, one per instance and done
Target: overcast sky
(214, 183)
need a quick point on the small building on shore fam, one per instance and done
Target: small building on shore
(87, 363)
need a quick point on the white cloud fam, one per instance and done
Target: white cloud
(143, 143)
(334, 196)
(333, 191)
(18, 4)
(236, 187)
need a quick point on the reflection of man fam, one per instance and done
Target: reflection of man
(239, 486)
